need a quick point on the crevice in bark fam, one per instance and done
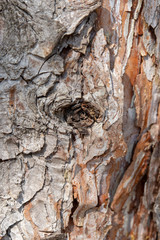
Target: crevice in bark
(7, 235)
(8, 231)
(152, 32)
(71, 223)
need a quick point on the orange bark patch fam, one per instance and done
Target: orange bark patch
(139, 26)
(134, 173)
(28, 217)
(143, 92)
(132, 68)
(143, 143)
(103, 199)
(57, 207)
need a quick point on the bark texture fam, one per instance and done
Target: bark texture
(79, 119)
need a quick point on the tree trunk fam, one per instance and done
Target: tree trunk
(80, 119)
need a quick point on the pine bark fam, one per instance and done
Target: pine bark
(79, 119)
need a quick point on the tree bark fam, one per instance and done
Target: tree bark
(80, 119)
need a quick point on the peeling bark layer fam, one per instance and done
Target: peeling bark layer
(79, 119)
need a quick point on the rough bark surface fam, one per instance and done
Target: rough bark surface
(79, 119)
